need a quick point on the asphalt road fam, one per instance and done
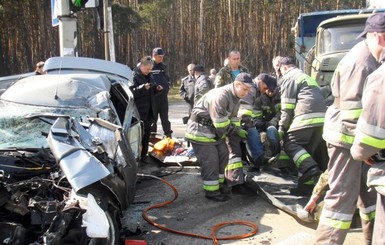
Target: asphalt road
(191, 212)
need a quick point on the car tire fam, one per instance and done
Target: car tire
(114, 232)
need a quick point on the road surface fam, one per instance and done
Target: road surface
(192, 212)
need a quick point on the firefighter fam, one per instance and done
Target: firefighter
(368, 145)
(300, 127)
(260, 112)
(207, 129)
(347, 177)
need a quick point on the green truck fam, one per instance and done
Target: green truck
(323, 38)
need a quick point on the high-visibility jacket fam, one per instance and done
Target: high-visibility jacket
(259, 110)
(347, 85)
(370, 132)
(302, 103)
(247, 112)
(218, 106)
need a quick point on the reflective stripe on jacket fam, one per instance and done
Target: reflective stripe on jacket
(370, 132)
(302, 103)
(347, 86)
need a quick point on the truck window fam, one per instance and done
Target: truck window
(339, 39)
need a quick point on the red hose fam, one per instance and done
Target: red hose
(214, 230)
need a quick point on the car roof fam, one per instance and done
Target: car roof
(57, 90)
(69, 64)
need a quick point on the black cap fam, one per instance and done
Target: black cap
(158, 51)
(270, 81)
(287, 61)
(375, 23)
(244, 77)
(199, 68)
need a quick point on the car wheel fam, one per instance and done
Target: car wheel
(114, 232)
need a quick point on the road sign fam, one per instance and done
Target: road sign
(54, 12)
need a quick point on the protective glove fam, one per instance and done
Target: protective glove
(243, 133)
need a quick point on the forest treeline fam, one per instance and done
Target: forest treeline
(190, 31)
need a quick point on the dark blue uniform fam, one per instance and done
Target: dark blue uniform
(161, 102)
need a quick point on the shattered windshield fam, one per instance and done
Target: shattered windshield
(17, 131)
(339, 39)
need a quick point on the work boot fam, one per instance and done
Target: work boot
(241, 190)
(168, 134)
(216, 196)
(143, 159)
(311, 176)
(224, 189)
(307, 182)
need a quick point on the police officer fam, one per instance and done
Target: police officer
(159, 72)
(300, 127)
(187, 87)
(369, 144)
(347, 177)
(207, 128)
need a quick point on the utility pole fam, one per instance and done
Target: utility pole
(67, 29)
(68, 23)
(106, 29)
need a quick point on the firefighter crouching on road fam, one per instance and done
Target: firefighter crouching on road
(260, 112)
(347, 176)
(300, 127)
(369, 144)
(207, 129)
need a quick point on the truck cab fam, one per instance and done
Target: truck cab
(320, 49)
(335, 37)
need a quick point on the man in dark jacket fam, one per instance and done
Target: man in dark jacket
(144, 90)
(159, 72)
(260, 112)
(203, 83)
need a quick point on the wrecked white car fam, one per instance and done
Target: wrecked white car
(69, 141)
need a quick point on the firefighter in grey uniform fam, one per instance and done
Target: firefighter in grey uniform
(300, 127)
(347, 177)
(207, 129)
(369, 144)
(234, 170)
